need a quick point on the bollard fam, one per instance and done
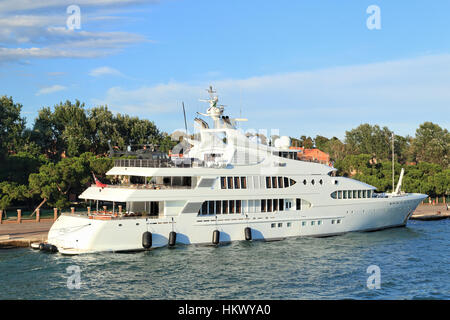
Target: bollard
(120, 210)
(72, 210)
(55, 214)
(89, 210)
(19, 215)
(1, 216)
(38, 215)
(104, 209)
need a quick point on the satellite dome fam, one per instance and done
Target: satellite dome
(283, 142)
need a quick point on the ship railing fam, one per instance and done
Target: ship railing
(111, 215)
(149, 186)
(160, 163)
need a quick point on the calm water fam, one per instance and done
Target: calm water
(414, 264)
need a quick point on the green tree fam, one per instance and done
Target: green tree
(432, 144)
(370, 140)
(11, 126)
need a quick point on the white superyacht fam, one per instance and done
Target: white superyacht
(226, 187)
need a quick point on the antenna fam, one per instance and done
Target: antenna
(393, 172)
(184, 113)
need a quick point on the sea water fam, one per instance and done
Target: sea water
(412, 262)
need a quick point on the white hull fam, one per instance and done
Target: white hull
(77, 234)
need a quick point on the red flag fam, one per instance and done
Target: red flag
(98, 183)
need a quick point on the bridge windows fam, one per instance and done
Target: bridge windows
(351, 194)
(233, 182)
(255, 182)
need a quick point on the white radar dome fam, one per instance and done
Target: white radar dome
(283, 142)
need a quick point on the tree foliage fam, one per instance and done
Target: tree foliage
(11, 126)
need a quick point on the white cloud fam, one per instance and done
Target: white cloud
(27, 34)
(51, 89)
(102, 71)
(20, 5)
(327, 101)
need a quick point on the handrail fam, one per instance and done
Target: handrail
(161, 163)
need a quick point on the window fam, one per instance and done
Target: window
(340, 194)
(210, 207)
(289, 224)
(303, 223)
(298, 204)
(345, 194)
(355, 194)
(359, 194)
(280, 182)
(268, 184)
(269, 205)
(292, 182)
(319, 222)
(238, 206)
(273, 225)
(204, 208)
(230, 182)
(286, 182)
(304, 182)
(263, 205)
(225, 206)
(232, 209)
(350, 194)
(275, 205)
(338, 221)
(288, 204)
(321, 182)
(218, 207)
(364, 194)
(332, 221)
(223, 182)
(243, 182)
(274, 182)
(369, 193)
(280, 225)
(313, 182)
(334, 195)
(236, 183)
(281, 204)
(313, 223)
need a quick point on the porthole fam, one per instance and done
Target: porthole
(313, 182)
(321, 182)
(304, 182)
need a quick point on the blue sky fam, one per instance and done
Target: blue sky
(302, 67)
